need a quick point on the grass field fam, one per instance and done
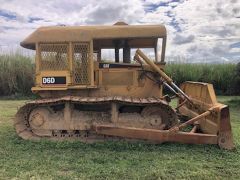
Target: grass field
(21, 159)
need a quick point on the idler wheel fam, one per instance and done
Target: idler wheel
(38, 117)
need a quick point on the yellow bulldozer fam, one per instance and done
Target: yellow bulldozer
(87, 98)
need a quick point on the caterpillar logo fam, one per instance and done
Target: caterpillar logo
(53, 80)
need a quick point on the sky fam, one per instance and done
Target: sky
(197, 29)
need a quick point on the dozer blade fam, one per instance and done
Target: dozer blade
(204, 100)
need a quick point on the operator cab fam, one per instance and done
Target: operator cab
(74, 57)
(121, 50)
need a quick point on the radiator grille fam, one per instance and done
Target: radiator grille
(81, 63)
(54, 56)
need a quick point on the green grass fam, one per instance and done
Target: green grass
(224, 77)
(21, 159)
(16, 74)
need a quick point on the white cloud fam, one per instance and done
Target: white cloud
(206, 20)
(183, 39)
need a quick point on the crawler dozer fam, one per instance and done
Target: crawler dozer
(89, 98)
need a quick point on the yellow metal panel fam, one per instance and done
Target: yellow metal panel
(118, 78)
(100, 77)
(48, 88)
(82, 87)
(202, 92)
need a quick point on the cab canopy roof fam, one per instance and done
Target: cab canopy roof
(147, 35)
